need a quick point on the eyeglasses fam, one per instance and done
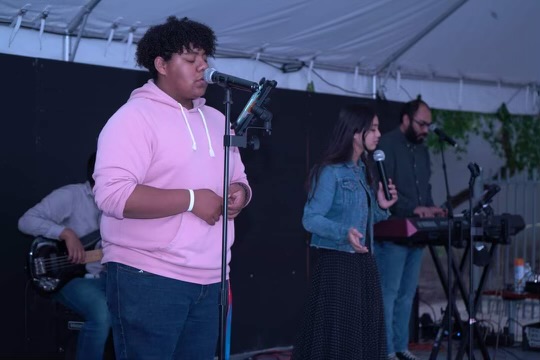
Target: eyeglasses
(422, 123)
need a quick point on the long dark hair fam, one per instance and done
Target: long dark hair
(352, 119)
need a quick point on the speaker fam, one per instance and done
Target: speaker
(68, 324)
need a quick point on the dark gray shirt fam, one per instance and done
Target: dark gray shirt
(409, 167)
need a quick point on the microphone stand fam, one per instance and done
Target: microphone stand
(223, 303)
(449, 288)
(475, 172)
(253, 110)
(450, 294)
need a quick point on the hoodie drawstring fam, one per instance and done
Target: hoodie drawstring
(210, 149)
(193, 142)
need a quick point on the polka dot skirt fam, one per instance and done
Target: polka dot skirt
(343, 317)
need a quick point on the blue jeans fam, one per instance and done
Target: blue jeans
(399, 267)
(155, 317)
(87, 298)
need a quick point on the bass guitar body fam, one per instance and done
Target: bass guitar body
(49, 266)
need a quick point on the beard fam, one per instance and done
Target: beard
(412, 136)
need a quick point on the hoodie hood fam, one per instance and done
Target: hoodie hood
(150, 91)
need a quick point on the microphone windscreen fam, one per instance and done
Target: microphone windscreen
(208, 75)
(378, 155)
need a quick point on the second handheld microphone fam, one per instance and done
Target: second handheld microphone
(379, 157)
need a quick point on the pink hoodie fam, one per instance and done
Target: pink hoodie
(153, 140)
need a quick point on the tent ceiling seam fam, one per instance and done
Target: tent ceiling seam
(85, 11)
(396, 55)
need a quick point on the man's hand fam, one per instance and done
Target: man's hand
(432, 211)
(354, 237)
(437, 211)
(236, 200)
(208, 206)
(74, 246)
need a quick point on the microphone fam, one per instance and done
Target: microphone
(212, 76)
(442, 135)
(379, 157)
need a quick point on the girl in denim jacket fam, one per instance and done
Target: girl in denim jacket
(344, 317)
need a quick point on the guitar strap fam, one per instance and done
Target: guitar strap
(90, 240)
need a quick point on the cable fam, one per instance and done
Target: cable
(514, 95)
(339, 87)
(276, 354)
(270, 64)
(406, 92)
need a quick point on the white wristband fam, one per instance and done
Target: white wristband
(191, 200)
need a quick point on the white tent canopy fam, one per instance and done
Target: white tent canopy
(458, 54)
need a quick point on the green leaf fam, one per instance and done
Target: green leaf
(514, 138)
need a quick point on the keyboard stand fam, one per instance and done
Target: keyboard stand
(477, 335)
(458, 283)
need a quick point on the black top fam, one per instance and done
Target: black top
(409, 167)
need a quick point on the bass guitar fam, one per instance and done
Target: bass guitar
(49, 267)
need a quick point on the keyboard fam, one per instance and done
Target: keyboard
(434, 231)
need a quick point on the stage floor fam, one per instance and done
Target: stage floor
(423, 351)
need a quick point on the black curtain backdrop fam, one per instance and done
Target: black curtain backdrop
(52, 113)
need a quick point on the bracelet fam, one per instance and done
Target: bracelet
(191, 200)
(245, 188)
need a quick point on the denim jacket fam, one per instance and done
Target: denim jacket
(338, 201)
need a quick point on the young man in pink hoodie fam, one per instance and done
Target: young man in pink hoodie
(159, 183)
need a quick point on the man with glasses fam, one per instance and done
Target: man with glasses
(408, 165)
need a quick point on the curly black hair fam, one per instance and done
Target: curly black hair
(173, 36)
